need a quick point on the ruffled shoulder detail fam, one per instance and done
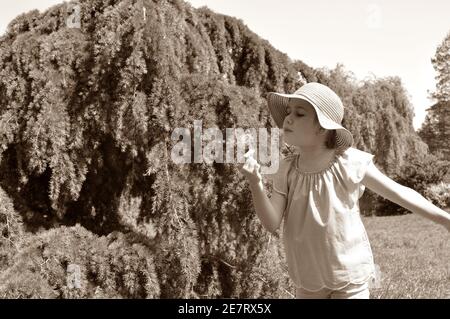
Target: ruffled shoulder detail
(355, 163)
(280, 178)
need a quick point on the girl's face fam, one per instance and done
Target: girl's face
(301, 127)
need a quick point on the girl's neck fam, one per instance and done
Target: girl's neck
(313, 158)
(311, 154)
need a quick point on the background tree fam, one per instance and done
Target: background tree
(441, 63)
(435, 130)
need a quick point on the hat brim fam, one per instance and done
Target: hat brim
(278, 103)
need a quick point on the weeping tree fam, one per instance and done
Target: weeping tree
(87, 112)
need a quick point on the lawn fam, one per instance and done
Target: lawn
(413, 256)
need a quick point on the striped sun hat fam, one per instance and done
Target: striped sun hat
(328, 106)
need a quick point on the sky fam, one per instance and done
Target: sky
(370, 37)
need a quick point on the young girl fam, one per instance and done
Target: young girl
(317, 190)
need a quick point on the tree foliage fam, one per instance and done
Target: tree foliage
(435, 130)
(419, 174)
(11, 230)
(441, 63)
(109, 267)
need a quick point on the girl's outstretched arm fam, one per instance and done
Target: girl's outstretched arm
(404, 196)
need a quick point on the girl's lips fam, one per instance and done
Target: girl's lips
(287, 130)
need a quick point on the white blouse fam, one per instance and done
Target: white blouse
(325, 241)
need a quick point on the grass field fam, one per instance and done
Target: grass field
(413, 256)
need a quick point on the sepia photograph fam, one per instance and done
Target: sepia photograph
(246, 151)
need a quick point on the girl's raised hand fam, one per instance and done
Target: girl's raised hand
(250, 169)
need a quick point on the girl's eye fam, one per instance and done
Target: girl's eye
(288, 111)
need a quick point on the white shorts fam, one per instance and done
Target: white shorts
(351, 291)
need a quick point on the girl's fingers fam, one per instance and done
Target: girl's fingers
(249, 153)
(247, 167)
(250, 168)
(258, 170)
(250, 164)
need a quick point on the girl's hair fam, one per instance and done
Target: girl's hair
(330, 141)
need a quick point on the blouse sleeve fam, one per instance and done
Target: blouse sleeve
(280, 178)
(356, 163)
(359, 162)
